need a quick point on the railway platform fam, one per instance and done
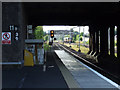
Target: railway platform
(84, 76)
(62, 71)
(35, 77)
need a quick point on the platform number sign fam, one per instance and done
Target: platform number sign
(16, 35)
(6, 37)
(14, 29)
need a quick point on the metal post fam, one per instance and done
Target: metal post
(112, 40)
(84, 34)
(70, 38)
(63, 37)
(79, 41)
(36, 56)
(104, 40)
(109, 40)
(90, 40)
(97, 42)
(118, 42)
(49, 35)
(27, 31)
(94, 41)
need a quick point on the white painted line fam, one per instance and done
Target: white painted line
(71, 82)
(4, 63)
(100, 75)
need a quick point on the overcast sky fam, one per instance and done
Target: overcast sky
(46, 28)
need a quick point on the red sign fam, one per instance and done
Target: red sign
(6, 37)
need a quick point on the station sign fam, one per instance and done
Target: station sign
(29, 27)
(30, 31)
(6, 37)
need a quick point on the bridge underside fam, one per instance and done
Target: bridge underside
(72, 13)
(98, 16)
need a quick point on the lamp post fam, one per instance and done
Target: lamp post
(49, 35)
(79, 40)
(63, 37)
(84, 34)
(70, 38)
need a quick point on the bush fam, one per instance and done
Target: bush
(46, 47)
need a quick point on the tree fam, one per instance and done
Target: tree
(39, 32)
(81, 34)
(67, 36)
(46, 37)
(74, 37)
(44, 33)
(77, 37)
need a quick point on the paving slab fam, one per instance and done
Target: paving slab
(35, 77)
(83, 75)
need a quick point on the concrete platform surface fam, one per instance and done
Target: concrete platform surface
(35, 77)
(85, 77)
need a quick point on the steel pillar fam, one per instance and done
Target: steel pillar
(118, 42)
(112, 40)
(104, 40)
(90, 40)
(97, 42)
(93, 42)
